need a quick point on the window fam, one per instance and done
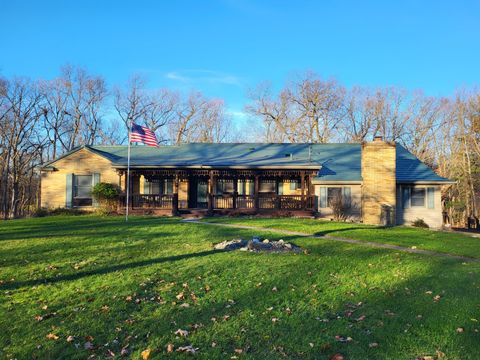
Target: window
(152, 186)
(294, 185)
(329, 194)
(168, 187)
(267, 186)
(417, 197)
(224, 186)
(333, 194)
(82, 190)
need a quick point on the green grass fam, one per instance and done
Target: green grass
(440, 241)
(115, 284)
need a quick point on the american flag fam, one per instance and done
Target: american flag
(143, 135)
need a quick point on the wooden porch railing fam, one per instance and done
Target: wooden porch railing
(226, 201)
(265, 201)
(149, 201)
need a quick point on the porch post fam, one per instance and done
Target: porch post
(210, 189)
(309, 190)
(277, 195)
(175, 196)
(235, 192)
(255, 193)
(302, 180)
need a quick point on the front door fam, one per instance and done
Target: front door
(202, 191)
(197, 193)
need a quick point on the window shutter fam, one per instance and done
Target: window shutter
(431, 197)
(406, 197)
(323, 197)
(69, 191)
(280, 188)
(95, 181)
(347, 197)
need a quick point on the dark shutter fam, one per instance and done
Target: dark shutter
(406, 197)
(69, 191)
(95, 181)
(323, 197)
(431, 197)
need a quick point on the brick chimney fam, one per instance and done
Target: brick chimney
(379, 182)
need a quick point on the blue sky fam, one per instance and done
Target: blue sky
(225, 47)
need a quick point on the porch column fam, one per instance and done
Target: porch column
(235, 192)
(302, 181)
(278, 203)
(255, 192)
(309, 190)
(175, 196)
(210, 189)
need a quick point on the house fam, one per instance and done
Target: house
(378, 182)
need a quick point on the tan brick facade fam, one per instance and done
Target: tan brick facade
(379, 183)
(82, 162)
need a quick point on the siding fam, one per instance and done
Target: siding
(82, 162)
(433, 217)
(355, 212)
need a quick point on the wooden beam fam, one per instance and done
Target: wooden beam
(175, 196)
(302, 182)
(255, 192)
(210, 191)
(235, 193)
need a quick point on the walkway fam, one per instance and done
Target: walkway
(338, 239)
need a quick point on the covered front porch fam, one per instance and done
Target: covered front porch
(210, 191)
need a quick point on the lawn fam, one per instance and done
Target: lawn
(440, 241)
(74, 287)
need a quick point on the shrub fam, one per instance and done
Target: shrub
(106, 194)
(338, 208)
(420, 223)
(42, 212)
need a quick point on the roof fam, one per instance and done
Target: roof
(336, 162)
(411, 170)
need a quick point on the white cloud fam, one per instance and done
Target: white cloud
(203, 76)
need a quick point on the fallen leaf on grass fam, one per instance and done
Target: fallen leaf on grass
(188, 349)
(337, 357)
(145, 354)
(180, 296)
(361, 318)
(170, 348)
(52, 336)
(70, 338)
(181, 332)
(373, 345)
(460, 330)
(238, 351)
(343, 339)
(437, 298)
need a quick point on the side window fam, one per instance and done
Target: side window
(82, 190)
(333, 194)
(417, 197)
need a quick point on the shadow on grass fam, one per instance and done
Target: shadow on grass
(106, 270)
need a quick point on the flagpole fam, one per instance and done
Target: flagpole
(128, 173)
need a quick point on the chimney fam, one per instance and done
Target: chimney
(379, 182)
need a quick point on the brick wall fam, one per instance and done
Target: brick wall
(379, 182)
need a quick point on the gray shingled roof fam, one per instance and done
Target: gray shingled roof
(337, 162)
